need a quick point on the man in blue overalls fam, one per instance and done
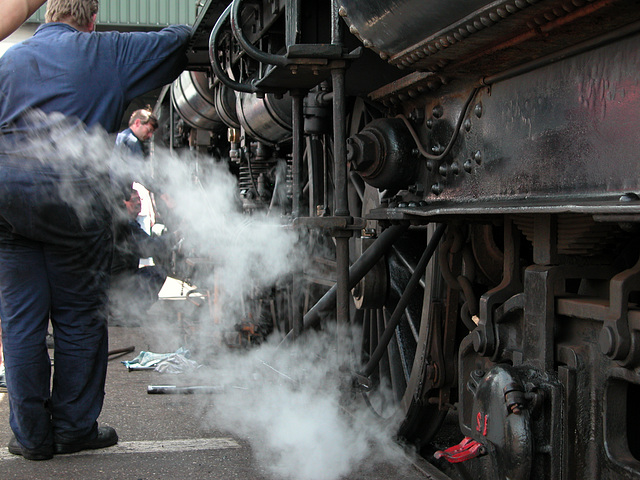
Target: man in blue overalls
(142, 124)
(61, 92)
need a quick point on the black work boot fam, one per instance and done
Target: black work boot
(43, 453)
(106, 437)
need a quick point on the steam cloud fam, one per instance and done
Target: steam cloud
(289, 403)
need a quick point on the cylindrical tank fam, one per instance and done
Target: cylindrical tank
(193, 100)
(225, 101)
(266, 119)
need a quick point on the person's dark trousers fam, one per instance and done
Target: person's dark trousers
(150, 281)
(54, 264)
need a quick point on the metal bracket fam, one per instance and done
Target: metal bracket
(485, 340)
(617, 341)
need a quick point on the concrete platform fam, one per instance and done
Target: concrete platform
(178, 436)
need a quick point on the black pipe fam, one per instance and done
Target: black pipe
(175, 389)
(298, 152)
(247, 46)
(358, 270)
(121, 350)
(340, 143)
(341, 199)
(215, 65)
(404, 301)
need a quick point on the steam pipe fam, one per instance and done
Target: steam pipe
(253, 52)
(336, 23)
(341, 207)
(298, 149)
(298, 152)
(215, 65)
(358, 270)
(339, 143)
(176, 389)
(340, 175)
(404, 301)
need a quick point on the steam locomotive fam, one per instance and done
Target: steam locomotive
(473, 169)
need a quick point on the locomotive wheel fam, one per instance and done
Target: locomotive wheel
(398, 380)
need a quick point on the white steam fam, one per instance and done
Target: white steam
(244, 251)
(292, 404)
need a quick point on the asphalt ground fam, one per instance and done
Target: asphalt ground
(166, 436)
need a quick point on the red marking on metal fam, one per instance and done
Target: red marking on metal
(465, 450)
(482, 421)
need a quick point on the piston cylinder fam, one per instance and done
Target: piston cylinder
(225, 101)
(267, 119)
(193, 100)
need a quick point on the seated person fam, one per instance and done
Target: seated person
(134, 289)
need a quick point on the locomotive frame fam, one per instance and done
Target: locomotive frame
(475, 167)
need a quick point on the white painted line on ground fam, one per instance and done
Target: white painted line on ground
(156, 446)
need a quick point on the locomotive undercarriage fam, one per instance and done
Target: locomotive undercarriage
(485, 236)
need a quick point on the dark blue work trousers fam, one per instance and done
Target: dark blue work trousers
(55, 256)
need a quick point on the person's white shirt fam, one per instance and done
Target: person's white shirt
(146, 217)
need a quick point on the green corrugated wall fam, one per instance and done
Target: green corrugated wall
(143, 13)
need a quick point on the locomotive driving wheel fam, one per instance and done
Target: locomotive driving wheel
(397, 390)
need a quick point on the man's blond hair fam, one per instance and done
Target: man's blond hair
(80, 12)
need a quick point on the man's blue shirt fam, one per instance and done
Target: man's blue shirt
(87, 77)
(128, 139)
